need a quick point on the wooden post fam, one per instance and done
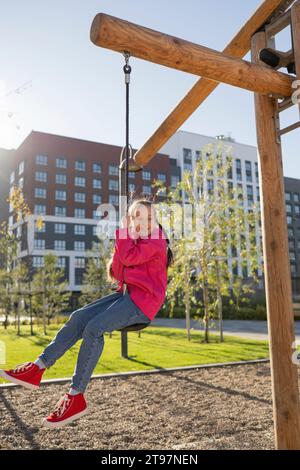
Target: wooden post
(144, 43)
(277, 270)
(295, 24)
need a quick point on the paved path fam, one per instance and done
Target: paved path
(251, 329)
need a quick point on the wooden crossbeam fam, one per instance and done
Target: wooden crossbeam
(238, 47)
(144, 43)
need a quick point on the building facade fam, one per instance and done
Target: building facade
(65, 180)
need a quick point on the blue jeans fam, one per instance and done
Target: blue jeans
(90, 322)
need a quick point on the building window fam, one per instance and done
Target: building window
(78, 277)
(21, 168)
(256, 173)
(97, 214)
(79, 197)
(162, 177)
(97, 184)
(248, 171)
(250, 193)
(61, 262)
(97, 199)
(60, 211)
(97, 168)
(131, 174)
(38, 261)
(80, 181)
(113, 199)
(79, 229)
(40, 209)
(296, 197)
(60, 228)
(257, 194)
(61, 162)
(79, 245)
(40, 193)
(60, 195)
(60, 178)
(174, 181)
(41, 176)
(39, 244)
(113, 185)
(79, 262)
(41, 159)
(238, 169)
(113, 170)
(146, 175)
(79, 213)
(289, 220)
(288, 197)
(297, 209)
(12, 177)
(80, 165)
(131, 187)
(59, 245)
(187, 155)
(288, 207)
(146, 190)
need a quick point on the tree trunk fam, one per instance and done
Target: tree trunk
(44, 314)
(18, 319)
(187, 304)
(31, 316)
(206, 312)
(220, 304)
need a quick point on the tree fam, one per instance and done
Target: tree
(95, 283)
(19, 290)
(8, 250)
(51, 294)
(218, 223)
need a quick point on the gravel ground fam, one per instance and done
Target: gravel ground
(216, 408)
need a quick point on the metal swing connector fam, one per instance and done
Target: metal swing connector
(127, 68)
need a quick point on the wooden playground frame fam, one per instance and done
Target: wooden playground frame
(272, 94)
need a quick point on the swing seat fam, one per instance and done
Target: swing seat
(134, 327)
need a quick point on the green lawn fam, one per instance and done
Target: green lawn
(157, 347)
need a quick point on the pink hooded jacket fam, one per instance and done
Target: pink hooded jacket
(142, 265)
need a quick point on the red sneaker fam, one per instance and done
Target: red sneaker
(69, 408)
(28, 375)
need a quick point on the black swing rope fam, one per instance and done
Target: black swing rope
(127, 72)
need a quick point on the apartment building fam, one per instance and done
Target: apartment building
(65, 180)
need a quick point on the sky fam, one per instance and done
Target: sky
(53, 79)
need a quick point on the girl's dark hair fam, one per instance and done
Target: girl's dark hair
(148, 203)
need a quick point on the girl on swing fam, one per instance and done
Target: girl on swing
(140, 260)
